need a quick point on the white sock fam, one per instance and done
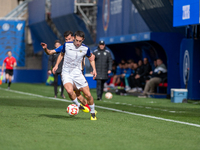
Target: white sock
(76, 102)
(92, 108)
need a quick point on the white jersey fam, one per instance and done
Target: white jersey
(74, 56)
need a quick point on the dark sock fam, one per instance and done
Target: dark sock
(9, 83)
(6, 80)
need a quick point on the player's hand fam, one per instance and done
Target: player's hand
(109, 71)
(137, 76)
(151, 72)
(44, 45)
(49, 72)
(94, 73)
(54, 69)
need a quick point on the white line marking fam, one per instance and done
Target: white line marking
(107, 108)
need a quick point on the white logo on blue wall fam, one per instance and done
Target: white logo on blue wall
(186, 12)
(19, 26)
(6, 27)
(186, 66)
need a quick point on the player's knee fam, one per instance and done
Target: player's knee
(88, 95)
(70, 91)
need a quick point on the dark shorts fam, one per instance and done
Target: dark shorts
(9, 71)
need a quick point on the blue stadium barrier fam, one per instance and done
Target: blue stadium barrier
(189, 60)
(12, 38)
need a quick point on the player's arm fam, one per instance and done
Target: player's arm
(91, 58)
(15, 64)
(47, 51)
(60, 57)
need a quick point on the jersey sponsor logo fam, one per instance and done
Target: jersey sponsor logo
(98, 53)
(106, 14)
(186, 66)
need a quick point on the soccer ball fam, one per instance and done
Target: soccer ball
(108, 95)
(72, 109)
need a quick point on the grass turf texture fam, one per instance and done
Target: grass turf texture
(31, 122)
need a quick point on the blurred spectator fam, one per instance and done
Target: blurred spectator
(51, 63)
(143, 74)
(159, 73)
(116, 78)
(154, 64)
(103, 62)
(136, 80)
(110, 77)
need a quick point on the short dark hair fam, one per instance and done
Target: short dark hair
(9, 51)
(57, 41)
(79, 33)
(67, 33)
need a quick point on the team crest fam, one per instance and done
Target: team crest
(106, 14)
(186, 66)
(104, 53)
(80, 51)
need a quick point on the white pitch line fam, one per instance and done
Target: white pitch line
(107, 108)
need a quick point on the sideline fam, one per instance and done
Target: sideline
(107, 108)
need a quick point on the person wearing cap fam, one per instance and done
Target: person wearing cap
(103, 61)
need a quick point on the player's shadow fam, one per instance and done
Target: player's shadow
(63, 117)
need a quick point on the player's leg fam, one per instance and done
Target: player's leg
(90, 100)
(69, 88)
(7, 75)
(81, 98)
(98, 89)
(62, 90)
(55, 84)
(102, 85)
(10, 74)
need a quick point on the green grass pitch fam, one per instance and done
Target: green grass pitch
(31, 119)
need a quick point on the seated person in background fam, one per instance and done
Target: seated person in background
(131, 79)
(143, 74)
(110, 77)
(126, 75)
(159, 73)
(116, 78)
(137, 82)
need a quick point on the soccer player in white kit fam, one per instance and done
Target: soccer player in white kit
(74, 53)
(68, 35)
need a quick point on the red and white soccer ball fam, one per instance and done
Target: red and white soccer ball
(108, 95)
(72, 109)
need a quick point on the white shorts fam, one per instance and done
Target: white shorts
(75, 77)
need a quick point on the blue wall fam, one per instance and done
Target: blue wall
(40, 31)
(12, 39)
(189, 58)
(61, 7)
(120, 18)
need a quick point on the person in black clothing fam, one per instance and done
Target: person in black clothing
(143, 74)
(103, 61)
(51, 63)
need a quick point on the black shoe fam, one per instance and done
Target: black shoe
(63, 96)
(99, 99)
